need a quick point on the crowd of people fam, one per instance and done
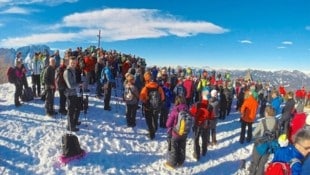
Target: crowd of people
(163, 93)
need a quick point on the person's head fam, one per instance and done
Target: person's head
(130, 78)
(19, 63)
(301, 141)
(72, 62)
(269, 111)
(52, 61)
(147, 76)
(274, 94)
(179, 100)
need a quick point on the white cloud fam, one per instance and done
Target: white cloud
(16, 10)
(287, 42)
(28, 2)
(121, 24)
(281, 47)
(307, 27)
(37, 39)
(1, 24)
(245, 42)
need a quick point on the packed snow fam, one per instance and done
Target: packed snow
(30, 142)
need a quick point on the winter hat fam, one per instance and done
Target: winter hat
(308, 120)
(213, 93)
(205, 94)
(282, 140)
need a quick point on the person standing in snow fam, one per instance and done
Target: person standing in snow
(49, 86)
(72, 95)
(202, 112)
(36, 67)
(151, 115)
(18, 73)
(177, 146)
(248, 115)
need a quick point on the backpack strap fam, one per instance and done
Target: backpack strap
(264, 124)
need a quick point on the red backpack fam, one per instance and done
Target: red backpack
(281, 168)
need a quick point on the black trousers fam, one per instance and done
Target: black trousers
(200, 132)
(49, 101)
(107, 95)
(151, 118)
(73, 111)
(62, 100)
(163, 116)
(36, 85)
(131, 112)
(18, 92)
(176, 155)
(249, 131)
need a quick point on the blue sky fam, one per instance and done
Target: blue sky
(237, 34)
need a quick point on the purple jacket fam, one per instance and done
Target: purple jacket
(173, 117)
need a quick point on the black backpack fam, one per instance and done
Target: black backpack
(27, 94)
(154, 100)
(70, 145)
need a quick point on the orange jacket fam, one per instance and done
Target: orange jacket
(144, 93)
(248, 109)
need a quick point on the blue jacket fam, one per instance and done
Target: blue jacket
(305, 170)
(286, 154)
(276, 104)
(106, 75)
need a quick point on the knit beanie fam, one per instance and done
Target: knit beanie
(282, 140)
(213, 93)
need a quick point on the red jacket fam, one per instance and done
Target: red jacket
(201, 112)
(296, 124)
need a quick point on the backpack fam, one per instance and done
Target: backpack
(281, 168)
(203, 114)
(11, 75)
(267, 144)
(154, 99)
(59, 79)
(128, 95)
(184, 123)
(70, 145)
(27, 94)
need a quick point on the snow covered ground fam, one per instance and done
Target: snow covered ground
(30, 142)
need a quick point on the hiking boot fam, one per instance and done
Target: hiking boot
(107, 108)
(18, 104)
(169, 166)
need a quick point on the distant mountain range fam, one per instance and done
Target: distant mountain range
(291, 80)
(27, 52)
